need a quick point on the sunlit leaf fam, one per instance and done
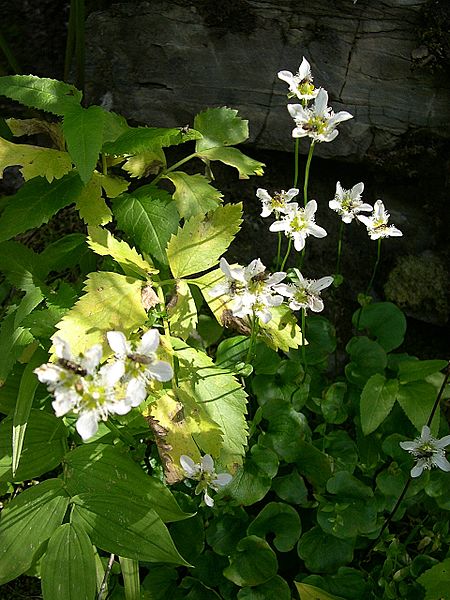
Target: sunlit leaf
(193, 194)
(34, 161)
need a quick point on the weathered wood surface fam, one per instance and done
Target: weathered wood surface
(164, 61)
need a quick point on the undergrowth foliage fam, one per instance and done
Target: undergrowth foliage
(173, 425)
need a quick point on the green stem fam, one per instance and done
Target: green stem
(301, 259)
(297, 141)
(278, 251)
(254, 333)
(304, 359)
(104, 165)
(308, 164)
(439, 396)
(377, 262)
(288, 251)
(339, 248)
(173, 167)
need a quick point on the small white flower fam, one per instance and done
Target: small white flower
(319, 123)
(348, 203)
(276, 203)
(377, 223)
(301, 84)
(428, 452)
(299, 223)
(304, 293)
(206, 476)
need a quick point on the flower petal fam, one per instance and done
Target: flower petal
(441, 462)
(222, 479)
(149, 342)
(117, 342)
(417, 470)
(188, 465)
(87, 424)
(136, 391)
(159, 370)
(208, 500)
(207, 464)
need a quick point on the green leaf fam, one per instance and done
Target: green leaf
(111, 302)
(119, 525)
(286, 427)
(22, 267)
(104, 469)
(68, 567)
(220, 127)
(43, 447)
(280, 519)
(310, 592)
(435, 581)
(253, 480)
(149, 217)
(385, 322)
(28, 521)
(253, 562)
(193, 194)
(276, 587)
(63, 253)
(20, 127)
(225, 531)
(313, 464)
(145, 163)
(102, 242)
(324, 553)
(417, 399)
(36, 202)
(332, 404)
(413, 370)
(160, 584)
(377, 400)
(142, 139)
(282, 331)
(34, 161)
(198, 245)
(91, 206)
(233, 157)
(130, 574)
(367, 358)
(45, 94)
(291, 488)
(9, 390)
(182, 311)
(321, 337)
(83, 130)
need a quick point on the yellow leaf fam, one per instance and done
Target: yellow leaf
(34, 161)
(182, 311)
(145, 163)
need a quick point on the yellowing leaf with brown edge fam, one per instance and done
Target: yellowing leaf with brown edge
(181, 426)
(111, 302)
(182, 311)
(34, 161)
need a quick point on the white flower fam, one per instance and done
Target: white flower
(140, 363)
(206, 476)
(318, 123)
(304, 293)
(348, 203)
(428, 452)
(276, 203)
(299, 223)
(250, 288)
(300, 84)
(376, 224)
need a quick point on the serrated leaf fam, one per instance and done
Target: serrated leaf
(143, 139)
(34, 161)
(21, 127)
(68, 567)
(114, 126)
(416, 399)
(28, 521)
(193, 194)
(145, 163)
(282, 331)
(113, 185)
(149, 217)
(90, 204)
(198, 245)
(182, 311)
(36, 202)
(111, 302)
(102, 242)
(38, 92)
(377, 400)
(83, 130)
(63, 253)
(413, 370)
(22, 267)
(182, 425)
(220, 127)
(233, 157)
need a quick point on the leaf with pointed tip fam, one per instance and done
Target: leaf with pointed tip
(91, 206)
(34, 161)
(311, 592)
(193, 194)
(220, 127)
(22, 267)
(233, 157)
(83, 130)
(377, 400)
(143, 139)
(38, 92)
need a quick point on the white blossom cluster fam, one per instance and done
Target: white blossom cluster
(80, 384)
(206, 476)
(428, 452)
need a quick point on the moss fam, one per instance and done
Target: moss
(419, 285)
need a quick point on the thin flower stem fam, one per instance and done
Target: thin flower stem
(377, 262)
(339, 248)
(297, 142)
(106, 576)
(288, 251)
(301, 259)
(278, 251)
(173, 167)
(254, 333)
(308, 164)
(439, 396)
(304, 359)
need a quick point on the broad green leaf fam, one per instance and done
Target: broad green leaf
(34, 161)
(102, 242)
(347, 486)
(367, 358)
(28, 521)
(160, 584)
(149, 217)
(233, 157)
(43, 447)
(122, 526)
(347, 583)
(21, 127)
(36, 202)
(385, 322)
(377, 400)
(111, 302)
(182, 311)
(91, 207)
(282, 331)
(321, 337)
(291, 488)
(104, 469)
(310, 592)
(324, 553)
(332, 404)
(45, 94)
(9, 390)
(436, 581)
(22, 267)
(142, 139)
(182, 425)
(130, 575)
(286, 427)
(417, 399)
(252, 563)
(25, 397)
(64, 252)
(413, 370)
(114, 126)
(220, 127)
(68, 567)
(198, 245)
(222, 397)
(252, 481)
(313, 464)
(113, 185)
(145, 163)
(83, 130)
(276, 587)
(225, 531)
(280, 519)
(193, 194)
